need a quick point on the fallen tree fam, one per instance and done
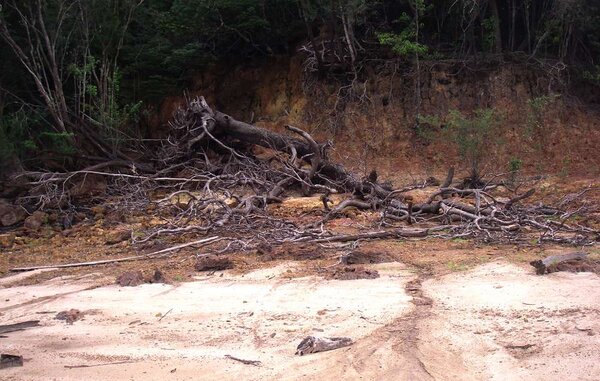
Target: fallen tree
(206, 178)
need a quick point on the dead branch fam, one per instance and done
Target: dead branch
(542, 266)
(245, 362)
(155, 254)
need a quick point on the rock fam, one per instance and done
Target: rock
(36, 220)
(158, 277)
(7, 240)
(117, 236)
(213, 263)
(11, 214)
(98, 211)
(69, 316)
(130, 279)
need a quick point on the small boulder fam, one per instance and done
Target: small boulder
(117, 236)
(213, 263)
(11, 214)
(69, 316)
(36, 220)
(7, 240)
(130, 279)
(158, 277)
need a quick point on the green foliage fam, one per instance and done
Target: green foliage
(489, 33)
(14, 135)
(25, 134)
(592, 75)
(515, 164)
(426, 126)
(58, 142)
(474, 136)
(405, 43)
(535, 115)
(402, 44)
(114, 54)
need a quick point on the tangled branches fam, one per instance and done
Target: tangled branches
(218, 175)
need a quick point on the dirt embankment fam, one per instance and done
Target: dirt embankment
(548, 127)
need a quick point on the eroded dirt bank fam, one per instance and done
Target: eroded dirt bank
(497, 321)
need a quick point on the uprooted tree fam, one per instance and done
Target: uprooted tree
(206, 178)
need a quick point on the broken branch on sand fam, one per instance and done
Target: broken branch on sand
(155, 254)
(245, 362)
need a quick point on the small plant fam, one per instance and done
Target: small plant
(592, 75)
(406, 43)
(455, 266)
(426, 126)
(474, 137)
(535, 116)
(489, 29)
(565, 168)
(402, 43)
(514, 166)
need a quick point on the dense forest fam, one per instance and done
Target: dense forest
(76, 75)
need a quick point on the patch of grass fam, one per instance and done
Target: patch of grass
(456, 267)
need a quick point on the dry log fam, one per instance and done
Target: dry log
(518, 198)
(221, 126)
(245, 362)
(312, 344)
(9, 361)
(395, 233)
(133, 258)
(19, 326)
(543, 266)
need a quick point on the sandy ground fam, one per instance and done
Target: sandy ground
(497, 321)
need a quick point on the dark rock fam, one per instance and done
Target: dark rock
(69, 316)
(130, 279)
(213, 263)
(36, 220)
(98, 211)
(11, 214)
(158, 277)
(117, 236)
(7, 240)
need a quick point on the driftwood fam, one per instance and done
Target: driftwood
(546, 265)
(245, 362)
(103, 364)
(133, 258)
(19, 326)
(312, 344)
(9, 361)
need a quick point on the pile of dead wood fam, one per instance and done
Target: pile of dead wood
(207, 178)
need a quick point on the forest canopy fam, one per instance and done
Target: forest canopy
(75, 74)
